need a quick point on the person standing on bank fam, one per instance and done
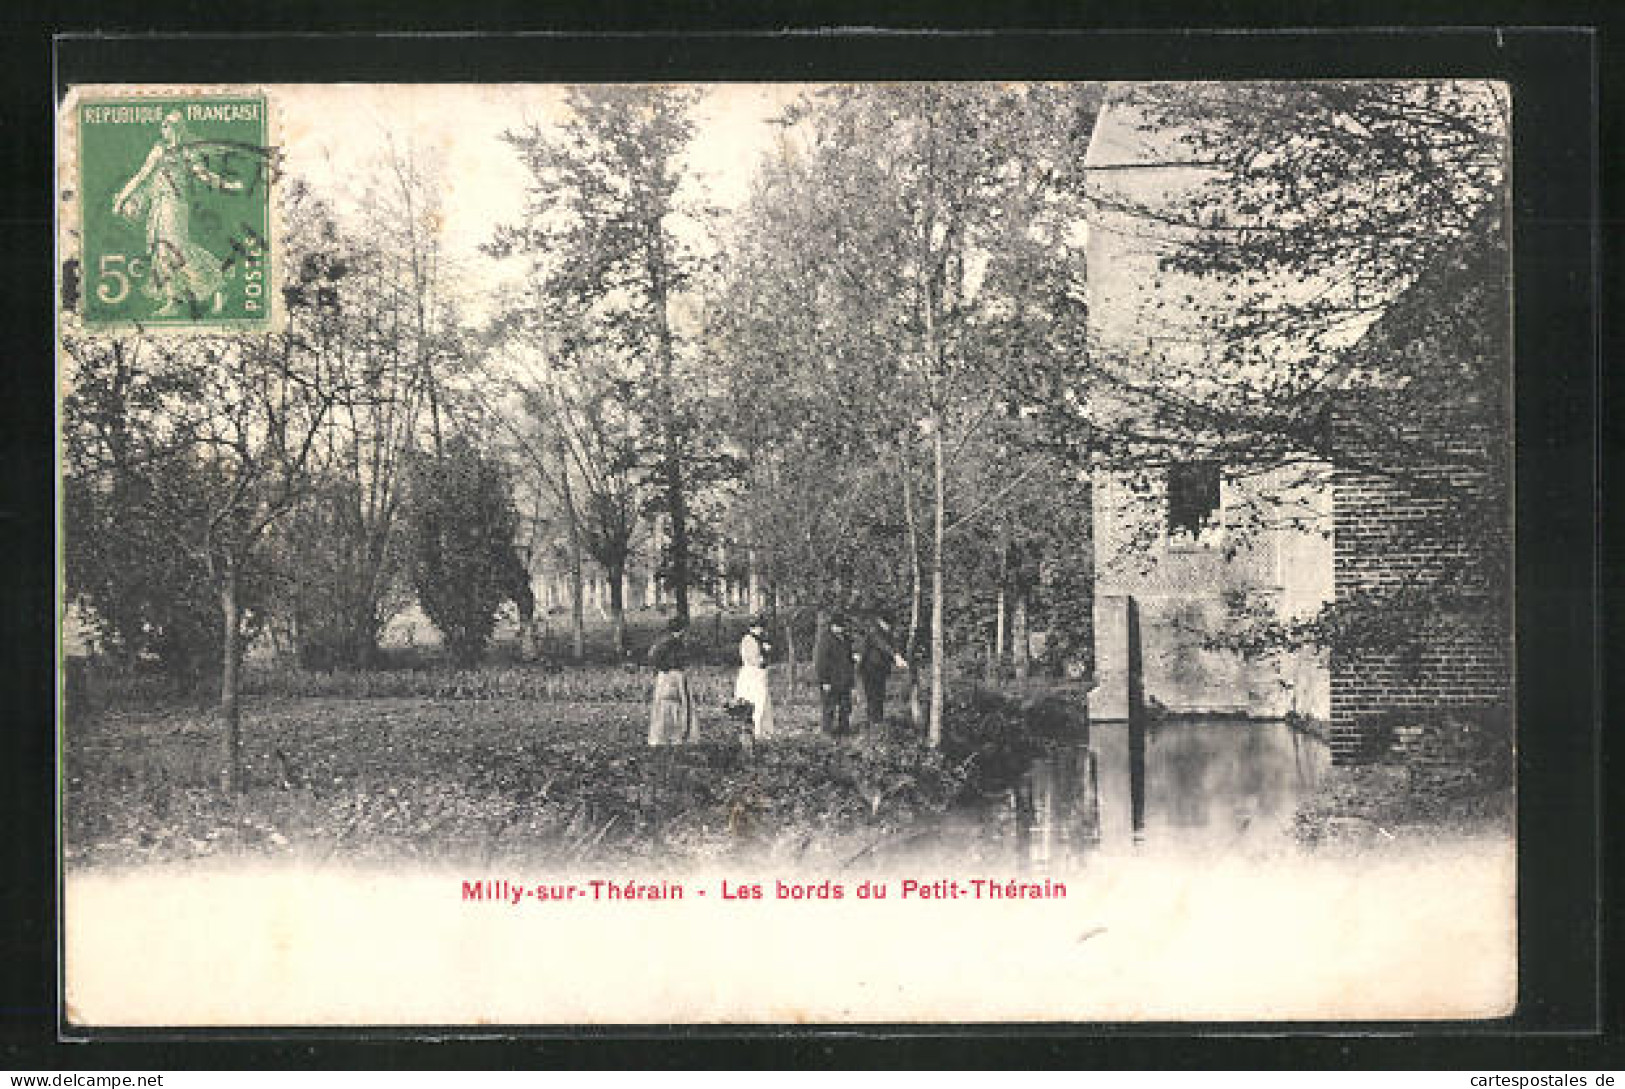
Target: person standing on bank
(876, 655)
(671, 718)
(751, 684)
(832, 663)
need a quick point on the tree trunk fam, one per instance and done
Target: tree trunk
(578, 606)
(997, 657)
(916, 713)
(678, 510)
(617, 605)
(230, 710)
(790, 650)
(753, 591)
(676, 504)
(939, 467)
(420, 293)
(724, 584)
(916, 706)
(1002, 603)
(1018, 635)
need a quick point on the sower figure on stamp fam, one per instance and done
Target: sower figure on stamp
(832, 663)
(183, 273)
(671, 718)
(876, 654)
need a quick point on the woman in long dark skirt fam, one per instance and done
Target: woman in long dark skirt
(671, 718)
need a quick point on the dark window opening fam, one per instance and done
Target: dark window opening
(1193, 496)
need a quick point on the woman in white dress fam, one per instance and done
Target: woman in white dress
(752, 682)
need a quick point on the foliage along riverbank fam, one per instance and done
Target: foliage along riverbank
(549, 769)
(1360, 806)
(1422, 776)
(550, 782)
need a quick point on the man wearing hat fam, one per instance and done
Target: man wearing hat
(832, 663)
(876, 654)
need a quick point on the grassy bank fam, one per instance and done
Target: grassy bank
(1419, 775)
(511, 763)
(1386, 802)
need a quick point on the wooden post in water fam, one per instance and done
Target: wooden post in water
(1092, 801)
(1041, 850)
(1136, 721)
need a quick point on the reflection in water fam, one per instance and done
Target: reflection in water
(1136, 723)
(1207, 783)
(1058, 806)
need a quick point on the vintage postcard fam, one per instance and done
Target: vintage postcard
(655, 554)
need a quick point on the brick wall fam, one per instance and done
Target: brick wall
(1409, 545)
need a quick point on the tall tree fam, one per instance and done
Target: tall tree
(565, 406)
(382, 323)
(135, 498)
(917, 264)
(610, 239)
(1310, 205)
(224, 441)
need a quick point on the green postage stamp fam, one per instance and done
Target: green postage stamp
(175, 211)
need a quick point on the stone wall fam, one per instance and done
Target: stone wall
(1266, 556)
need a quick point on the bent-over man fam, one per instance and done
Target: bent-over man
(876, 655)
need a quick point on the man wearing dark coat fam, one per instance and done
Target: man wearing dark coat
(832, 664)
(876, 653)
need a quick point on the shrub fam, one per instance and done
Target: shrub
(1464, 747)
(1426, 771)
(461, 524)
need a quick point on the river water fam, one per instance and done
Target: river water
(1220, 785)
